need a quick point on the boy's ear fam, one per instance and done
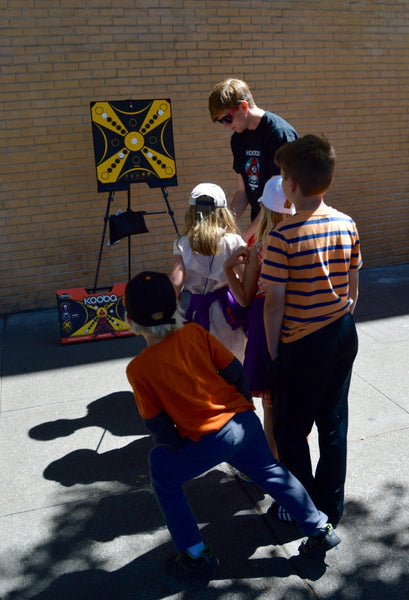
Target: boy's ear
(293, 183)
(244, 105)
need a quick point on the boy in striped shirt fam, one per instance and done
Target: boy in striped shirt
(311, 267)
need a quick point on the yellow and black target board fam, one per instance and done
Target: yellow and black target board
(133, 143)
(85, 315)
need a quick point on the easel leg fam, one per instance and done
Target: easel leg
(129, 237)
(170, 211)
(106, 218)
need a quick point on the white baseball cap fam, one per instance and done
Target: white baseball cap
(274, 198)
(208, 194)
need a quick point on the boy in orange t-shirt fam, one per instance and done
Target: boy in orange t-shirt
(194, 397)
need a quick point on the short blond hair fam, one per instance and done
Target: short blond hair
(228, 94)
(159, 331)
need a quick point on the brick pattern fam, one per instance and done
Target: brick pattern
(338, 68)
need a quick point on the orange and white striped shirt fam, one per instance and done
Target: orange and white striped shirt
(312, 253)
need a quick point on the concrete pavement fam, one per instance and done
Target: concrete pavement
(78, 520)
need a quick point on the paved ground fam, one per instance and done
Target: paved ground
(77, 517)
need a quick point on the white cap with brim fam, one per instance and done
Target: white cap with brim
(274, 198)
(208, 194)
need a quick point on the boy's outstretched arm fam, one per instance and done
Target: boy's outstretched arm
(235, 375)
(239, 203)
(273, 316)
(163, 431)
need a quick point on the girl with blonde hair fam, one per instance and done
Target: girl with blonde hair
(209, 237)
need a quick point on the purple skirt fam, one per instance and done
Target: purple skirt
(257, 358)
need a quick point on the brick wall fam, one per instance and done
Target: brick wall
(338, 68)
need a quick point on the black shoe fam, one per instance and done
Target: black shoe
(184, 566)
(320, 542)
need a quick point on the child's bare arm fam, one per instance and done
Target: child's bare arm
(244, 288)
(273, 316)
(177, 274)
(239, 203)
(353, 293)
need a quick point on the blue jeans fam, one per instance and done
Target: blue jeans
(242, 443)
(311, 386)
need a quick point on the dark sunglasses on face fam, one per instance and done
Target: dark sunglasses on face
(229, 117)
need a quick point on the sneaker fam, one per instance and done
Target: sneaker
(320, 542)
(184, 566)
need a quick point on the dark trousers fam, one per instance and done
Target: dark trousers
(312, 386)
(241, 443)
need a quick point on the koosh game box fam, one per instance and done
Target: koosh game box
(86, 315)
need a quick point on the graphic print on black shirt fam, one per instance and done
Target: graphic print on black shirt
(252, 168)
(253, 154)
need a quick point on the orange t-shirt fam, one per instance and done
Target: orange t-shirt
(180, 377)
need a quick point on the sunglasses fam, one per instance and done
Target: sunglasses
(229, 117)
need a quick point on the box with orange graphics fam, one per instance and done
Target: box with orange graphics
(86, 315)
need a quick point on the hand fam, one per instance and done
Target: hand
(237, 258)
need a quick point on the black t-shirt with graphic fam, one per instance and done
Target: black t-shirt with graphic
(253, 154)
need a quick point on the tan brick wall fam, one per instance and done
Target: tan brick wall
(338, 68)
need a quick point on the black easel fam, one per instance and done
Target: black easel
(169, 211)
(133, 142)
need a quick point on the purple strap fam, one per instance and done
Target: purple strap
(199, 307)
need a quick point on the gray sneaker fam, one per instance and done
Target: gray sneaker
(320, 542)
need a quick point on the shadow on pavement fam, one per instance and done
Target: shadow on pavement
(116, 412)
(234, 533)
(64, 565)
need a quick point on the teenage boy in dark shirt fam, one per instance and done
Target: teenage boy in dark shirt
(257, 134)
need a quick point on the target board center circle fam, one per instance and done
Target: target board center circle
(134, 141)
